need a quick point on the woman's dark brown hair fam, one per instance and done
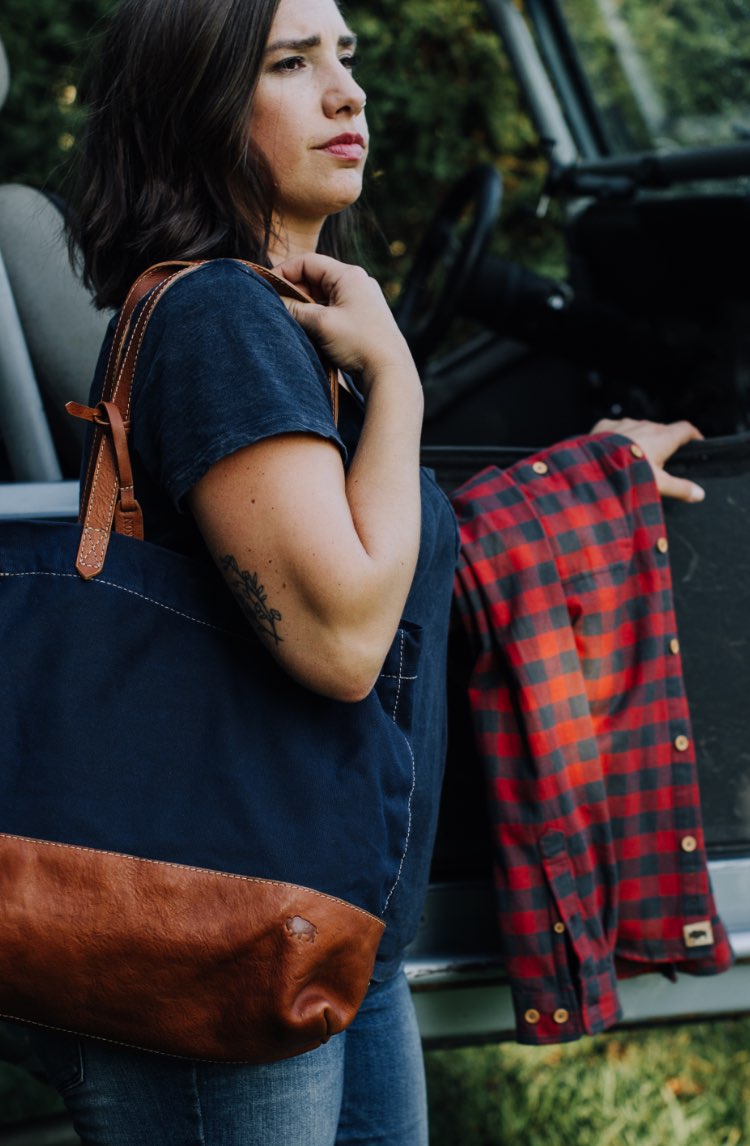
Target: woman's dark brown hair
(165, 167)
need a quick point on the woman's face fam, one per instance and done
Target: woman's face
(308, 119)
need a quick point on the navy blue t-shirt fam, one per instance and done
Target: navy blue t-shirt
(224, 365)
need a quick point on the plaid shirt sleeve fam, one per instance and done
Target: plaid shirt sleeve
(582, 725)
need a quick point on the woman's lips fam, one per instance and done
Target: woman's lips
(346, 146)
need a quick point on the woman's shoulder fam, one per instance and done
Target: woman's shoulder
(220, 286)
(226, 311)
(223, 364)
(217, 329)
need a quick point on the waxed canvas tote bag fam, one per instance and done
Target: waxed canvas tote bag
(196, 853)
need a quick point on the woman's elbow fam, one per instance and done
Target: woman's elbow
(347, 683)
(347, 673)
(351, 692)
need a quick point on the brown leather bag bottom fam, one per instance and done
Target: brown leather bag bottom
(179, 960)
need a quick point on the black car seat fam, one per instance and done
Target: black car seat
(50, 333)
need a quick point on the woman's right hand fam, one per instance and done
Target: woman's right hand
(351, 322)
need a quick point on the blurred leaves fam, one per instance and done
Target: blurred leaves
(45, 41)
(441, 98)
(666, 73)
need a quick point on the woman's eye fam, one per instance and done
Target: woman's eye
(350, 62)
(290, 64)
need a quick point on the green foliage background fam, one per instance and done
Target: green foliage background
(441, 98)
(45, 41)
(697, 57)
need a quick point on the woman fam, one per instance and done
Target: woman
(224, 129)
(236, 128)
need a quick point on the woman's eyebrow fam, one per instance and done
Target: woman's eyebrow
(348, 41)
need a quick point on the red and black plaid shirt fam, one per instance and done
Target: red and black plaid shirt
(582, 725)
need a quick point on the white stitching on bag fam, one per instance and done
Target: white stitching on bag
(208, 872)
(400, 675)
(408, 824)
(117, 1043)
(400, 678)
(132, 592)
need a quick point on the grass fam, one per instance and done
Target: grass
(679, 1086)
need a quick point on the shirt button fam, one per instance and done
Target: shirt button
(540, 468)
(688, 843)
(662, 545)
(681, 743)
(559, 928)
(636, 451)
(561, 1016)
(674, 646)
(532, 1016)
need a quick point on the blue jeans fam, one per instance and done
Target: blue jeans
(364, 1086)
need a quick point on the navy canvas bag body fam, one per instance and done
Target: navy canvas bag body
(196, 852)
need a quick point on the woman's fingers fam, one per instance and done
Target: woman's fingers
(659, 441)
(679, 488)
(321, 276)
(351, 322)
(307, 314)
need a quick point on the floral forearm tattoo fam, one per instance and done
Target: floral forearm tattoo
(252, 598)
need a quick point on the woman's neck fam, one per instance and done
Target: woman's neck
(289, 241)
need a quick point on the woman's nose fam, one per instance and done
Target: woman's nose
(344, 95)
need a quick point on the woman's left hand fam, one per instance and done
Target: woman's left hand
(659, 441)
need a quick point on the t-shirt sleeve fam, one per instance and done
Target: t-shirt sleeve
(223, 365)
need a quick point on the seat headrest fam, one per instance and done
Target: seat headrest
(4, 74)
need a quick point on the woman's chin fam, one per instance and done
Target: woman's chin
(342, 192)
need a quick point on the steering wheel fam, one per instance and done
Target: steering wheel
(422, 318)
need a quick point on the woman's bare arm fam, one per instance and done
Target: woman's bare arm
(322, 560)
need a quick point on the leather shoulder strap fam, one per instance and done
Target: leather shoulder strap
(107, 495)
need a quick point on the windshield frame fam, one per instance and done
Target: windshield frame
(563, 62)
(603, 169)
